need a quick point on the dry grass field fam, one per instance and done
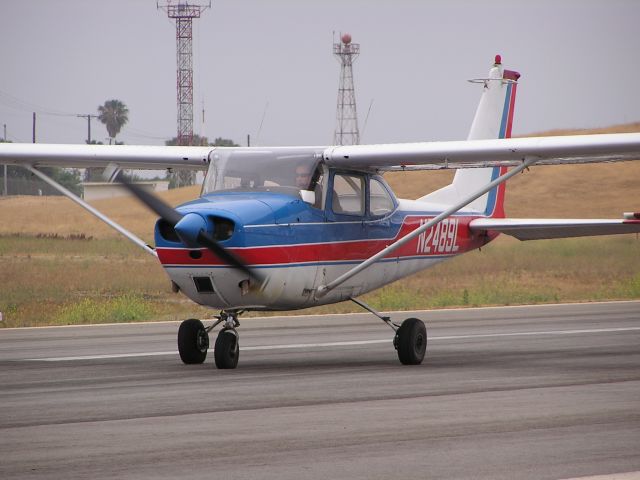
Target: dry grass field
(60, 265)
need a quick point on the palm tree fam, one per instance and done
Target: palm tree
(114, 114)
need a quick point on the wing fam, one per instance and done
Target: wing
(538, 229)
(503, 152)
(125, 156)
(405, 156)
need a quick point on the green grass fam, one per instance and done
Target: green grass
(124, 308)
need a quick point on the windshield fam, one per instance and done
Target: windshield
(284, 169)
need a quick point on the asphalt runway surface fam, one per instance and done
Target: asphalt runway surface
(544, 392)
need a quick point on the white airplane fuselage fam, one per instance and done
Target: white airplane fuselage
(305, 247)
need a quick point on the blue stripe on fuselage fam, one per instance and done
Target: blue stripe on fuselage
(296, 223)
(491, 201)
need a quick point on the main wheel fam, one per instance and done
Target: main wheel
(227, 349)
(411, 341)
(193, 341)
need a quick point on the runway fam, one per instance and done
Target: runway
(546, 392)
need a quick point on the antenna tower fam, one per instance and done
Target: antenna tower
(184, 13)
(347, 132)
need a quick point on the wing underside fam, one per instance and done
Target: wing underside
(538, 229)
(124, 156)
(504, 152)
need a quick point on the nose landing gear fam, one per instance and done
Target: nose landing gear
(227, 349)
(193, 341)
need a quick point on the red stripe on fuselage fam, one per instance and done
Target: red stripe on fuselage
(335, 251)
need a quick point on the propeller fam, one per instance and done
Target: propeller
(191, 228)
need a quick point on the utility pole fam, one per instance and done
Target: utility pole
(6, 188)
(88, 117)
(34, 128)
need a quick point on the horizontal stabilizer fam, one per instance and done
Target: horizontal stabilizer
(538, 229)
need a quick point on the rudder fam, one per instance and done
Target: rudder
(493, 119)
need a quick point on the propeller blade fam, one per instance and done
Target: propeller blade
(170, 215)
(163, 210)
(229, 258)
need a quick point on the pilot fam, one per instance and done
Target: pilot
(303, 177)
(306, 180)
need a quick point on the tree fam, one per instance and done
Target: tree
(114, 114)
(197, 140)
(204, 141)
(22, 182)
(224, 142)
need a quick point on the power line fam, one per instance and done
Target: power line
(18, 104)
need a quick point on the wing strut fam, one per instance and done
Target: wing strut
(92, 210)
(322, 290)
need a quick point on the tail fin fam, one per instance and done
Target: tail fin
(493, 119)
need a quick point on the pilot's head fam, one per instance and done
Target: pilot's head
(303, 176)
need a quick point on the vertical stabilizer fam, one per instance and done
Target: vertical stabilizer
(493, 119)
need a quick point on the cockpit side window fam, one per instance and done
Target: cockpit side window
(348, 196)
(249, 169)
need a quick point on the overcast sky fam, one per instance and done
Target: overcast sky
(579, 60)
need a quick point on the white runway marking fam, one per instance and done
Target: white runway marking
(613, 476)
(342, 344)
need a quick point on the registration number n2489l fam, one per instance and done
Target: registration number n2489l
(441, 238)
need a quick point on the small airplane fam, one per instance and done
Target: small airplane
(286, 228)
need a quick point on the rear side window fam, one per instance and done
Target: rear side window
(380, 202)
(348, 194)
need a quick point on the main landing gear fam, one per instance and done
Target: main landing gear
(410, 340)
(193, 341)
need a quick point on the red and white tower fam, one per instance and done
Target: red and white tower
(347, 132)
(184, 13)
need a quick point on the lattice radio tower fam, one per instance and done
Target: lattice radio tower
(347, 132)
(184, 13)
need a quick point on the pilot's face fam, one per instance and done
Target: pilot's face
(303, 177)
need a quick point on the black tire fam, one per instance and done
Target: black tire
(411, 341)
(227, 350)
(193, 341)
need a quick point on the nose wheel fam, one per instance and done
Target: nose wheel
(227, 349)
(193, 341)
